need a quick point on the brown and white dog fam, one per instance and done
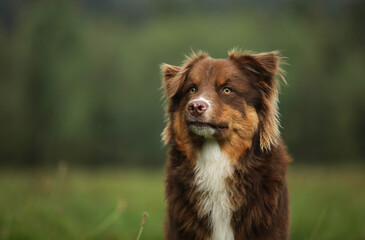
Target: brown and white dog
(226, 171)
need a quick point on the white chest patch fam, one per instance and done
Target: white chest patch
(211, 170)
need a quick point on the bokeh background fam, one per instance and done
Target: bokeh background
(81, 110)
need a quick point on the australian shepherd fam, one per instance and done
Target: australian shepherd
(226, 170)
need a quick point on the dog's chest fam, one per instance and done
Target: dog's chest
(211, 170)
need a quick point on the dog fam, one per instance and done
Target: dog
(226, 168)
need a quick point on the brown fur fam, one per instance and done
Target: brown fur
(250, 137)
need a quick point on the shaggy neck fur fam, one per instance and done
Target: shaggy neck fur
(211, 170)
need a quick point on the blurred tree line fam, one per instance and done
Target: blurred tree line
(79, 80)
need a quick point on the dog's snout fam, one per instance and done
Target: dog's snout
(197, 107)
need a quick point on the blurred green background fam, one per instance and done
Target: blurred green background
(81, 110)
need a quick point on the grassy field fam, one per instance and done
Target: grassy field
(108, 204)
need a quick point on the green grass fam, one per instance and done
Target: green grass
(109, 204)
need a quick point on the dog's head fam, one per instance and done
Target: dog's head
(230, 100)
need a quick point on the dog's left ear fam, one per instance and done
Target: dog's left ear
(263, 69)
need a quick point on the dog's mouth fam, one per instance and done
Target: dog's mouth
(207, 124)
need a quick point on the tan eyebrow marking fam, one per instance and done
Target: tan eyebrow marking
(221, 80)
(196, 81)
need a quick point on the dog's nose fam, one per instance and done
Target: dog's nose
(197, 108)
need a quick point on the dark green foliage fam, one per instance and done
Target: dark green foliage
(81, 85)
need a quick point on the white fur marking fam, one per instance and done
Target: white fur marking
(200, 98)
(211, 170)
(206, 132)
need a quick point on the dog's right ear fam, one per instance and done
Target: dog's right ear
(174, 76)
(172, 79)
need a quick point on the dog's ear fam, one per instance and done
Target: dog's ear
(263, 69)
(173, 77)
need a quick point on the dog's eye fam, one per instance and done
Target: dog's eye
(227, 90)
(192, 90)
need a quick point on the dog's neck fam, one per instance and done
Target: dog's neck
(212, 168)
